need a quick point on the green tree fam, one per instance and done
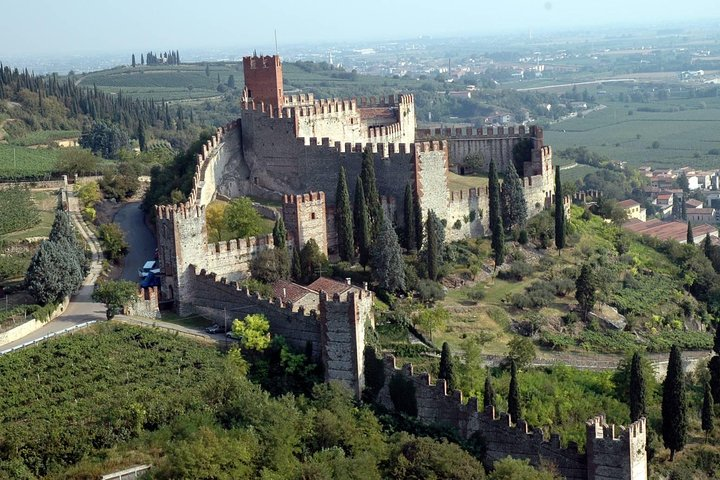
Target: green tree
(296, 266)
(112, 240)
(514, 408)
(344, 219)
(207, 70)
(488, 392)
(142, 139)
(242, 218)
(432, 319)
(674, 405)
(215, 220)
(419, 234)
(638, 405)
(496, 227)
(80, 161)
(387, 261)
(683, 208)
(53, 274)
(414, 458)
(714, 367)
(104, 139)
(716, 339)
(707, 414)
(271, 265)
(409, 217)
(447, 367)
(372, 197)
(434, 249)
(312, 261)
(585, 290)
(253, 332)
(133, 60)
(690, 236)
(519, 469)
(521, 351)
(362, 224)
(475, 161)
(559, 212)
(279, 234)
(115, 293)
(231, 81)
(514, 206)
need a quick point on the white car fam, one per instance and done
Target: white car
(150, 266)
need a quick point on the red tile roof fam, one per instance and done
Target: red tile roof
(628, 203)
(694, 203)
(329, 286)
(668, 230)
(290, 291)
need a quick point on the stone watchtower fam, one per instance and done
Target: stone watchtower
(305, 218)
(264, 80)
(616, 455)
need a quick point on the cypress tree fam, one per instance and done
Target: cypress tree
(133, 60)
(707, 246)
(142, 140)
(279, 234)
(296, 267)
(488, 392)
(362, 224)
(638, 405)
(683, 208)
(514, 206)
(372, 197)
(447, 367)
(714, 367)
(716, 340)
(496, 225)
(419, 235)
(690, 236)
(585, 290)
(142, 59)
(707, 414)
(674, 405)
(559, 213)
(433, 249)
(387, 261)
(409, 204)
(514, 408)
(344, 219)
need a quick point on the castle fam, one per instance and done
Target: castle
(290, 149)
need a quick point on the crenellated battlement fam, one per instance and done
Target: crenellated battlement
(180, 211)
(469, 195)
(242, 246)
(533, 131)
(304, 198)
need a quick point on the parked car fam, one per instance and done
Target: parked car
(214, 328)
(150, 280)
(151, 266)
(232, 335)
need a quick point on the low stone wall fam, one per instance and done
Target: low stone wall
(30, 326)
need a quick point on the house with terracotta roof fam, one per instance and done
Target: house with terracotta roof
(673, 230)
(664, 201)
(693, 203)
(297, 295)
(701, 215)
(633, 209)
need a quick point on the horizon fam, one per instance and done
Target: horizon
(162, 25)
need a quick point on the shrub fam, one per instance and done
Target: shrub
(556, 341)
(537, 295)
(523, 237)
(563, 286)
(429, 291)
(518, 271)
(477, 293)
(112, 240)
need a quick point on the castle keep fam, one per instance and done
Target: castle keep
(290, 149)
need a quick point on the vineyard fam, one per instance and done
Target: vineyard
(17, 210)
(26, 163)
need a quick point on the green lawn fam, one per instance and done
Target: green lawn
(46, 202)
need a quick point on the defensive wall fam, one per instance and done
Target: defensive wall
(336, 332)
(610, 453)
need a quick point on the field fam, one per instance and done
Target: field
(26, 163)
(44, 137)
(685, 131)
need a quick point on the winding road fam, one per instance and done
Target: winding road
(141, 242)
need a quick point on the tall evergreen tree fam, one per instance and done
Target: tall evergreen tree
(432, 252)
(447, 367)
(142, 140)
(514, 206)
(707, 246)
(409, 234)
(207, 70)
(362, 224)
(488, 392)
(296, 267)
(133, 60)
(559, 212)
(496, 225)
(585, 290)
(279, 234)
(683, 208)
(514, 408)
(690, 236)
(674, 405)
(638, 407)
(142, 59)
(707, 414)
(344, 219)
(372, 197)
(387, 260)
(716, 339)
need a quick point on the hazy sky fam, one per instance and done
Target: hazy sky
(86, 26)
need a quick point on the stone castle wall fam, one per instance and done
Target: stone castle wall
(145, 304)
(608, 456)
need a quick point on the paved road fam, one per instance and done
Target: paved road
(139, 238)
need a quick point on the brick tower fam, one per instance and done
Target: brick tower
(264, 79)
(305, 218)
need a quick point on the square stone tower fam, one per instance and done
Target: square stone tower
(264, 79)
(305, 218)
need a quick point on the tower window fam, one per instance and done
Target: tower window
(312, 216)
